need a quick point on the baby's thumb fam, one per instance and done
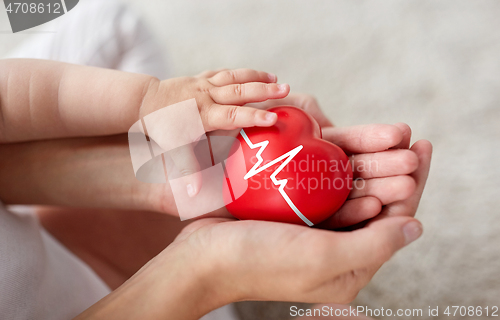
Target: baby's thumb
(187, 167)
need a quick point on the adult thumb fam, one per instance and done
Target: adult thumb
(378, 241)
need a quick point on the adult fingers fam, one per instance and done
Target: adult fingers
(387, 190)
(228, 77)
(311, 106)
(352, 212)
(231, 117)
(406, 131)
(364, 138)
(408, 207)
(240, 94)
(384, 164)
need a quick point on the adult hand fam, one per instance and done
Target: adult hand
(390, 176)
(407, 207)
(216, 261)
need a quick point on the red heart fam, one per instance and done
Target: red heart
(316, 174)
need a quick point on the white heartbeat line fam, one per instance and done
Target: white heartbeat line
(282, 183)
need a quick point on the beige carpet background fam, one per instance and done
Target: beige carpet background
(432, 64)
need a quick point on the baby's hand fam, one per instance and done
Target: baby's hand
(220, 96)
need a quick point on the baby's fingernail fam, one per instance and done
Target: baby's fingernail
(271, 116)
(412, 231)
(282, 87)
(190, 190)
(272, 77)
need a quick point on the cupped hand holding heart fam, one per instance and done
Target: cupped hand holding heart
(389, 183)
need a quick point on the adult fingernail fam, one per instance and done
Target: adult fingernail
(282, 87)
(271, 116)
(190, 190)
(412, 231)
(272, 77)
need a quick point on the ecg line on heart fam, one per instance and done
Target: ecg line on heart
(282, 183)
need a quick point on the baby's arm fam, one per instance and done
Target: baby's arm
(45, 99)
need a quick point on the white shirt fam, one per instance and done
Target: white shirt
(40, 278)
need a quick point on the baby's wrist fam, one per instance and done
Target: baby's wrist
(154, 93)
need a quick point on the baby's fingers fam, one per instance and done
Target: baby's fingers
(227, 77)
(240, 94)
(232, 117)
(209, 73)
